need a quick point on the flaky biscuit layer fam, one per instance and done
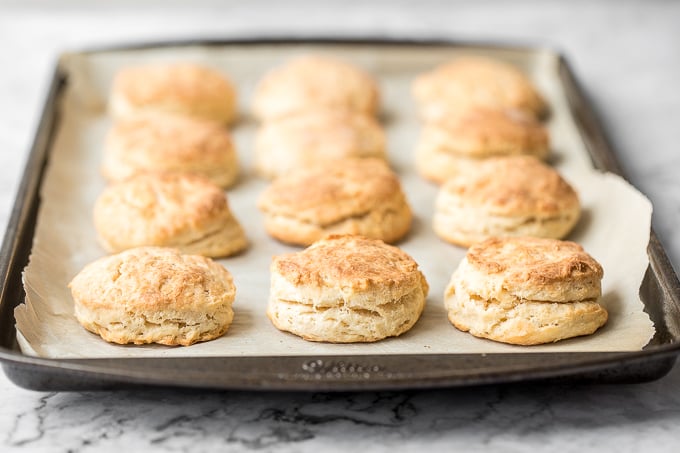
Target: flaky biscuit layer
(525, 323)
(342, 324)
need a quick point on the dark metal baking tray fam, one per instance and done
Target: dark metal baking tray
(660, 292)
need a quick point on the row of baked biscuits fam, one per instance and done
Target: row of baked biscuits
(167, 158)
(475, 111)
(315, 109)
(347, 181)
(483, 141)
(312, 109)
(160, 126)
(346, 289)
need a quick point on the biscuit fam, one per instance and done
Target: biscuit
(165, 143)
(154, 295)
(183, 89)
(346, 289)
(505, 196)
(353, 196)
(526, 291)
(312, 83)
(178, 210)
(291, 142)
(451, 146)
(472, 82)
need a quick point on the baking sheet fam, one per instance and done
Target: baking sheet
(614, 228)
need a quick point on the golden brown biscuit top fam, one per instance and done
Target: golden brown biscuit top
(533, 261)
(328, 192)
(161, 204)
(168, 137)
(479, 82)
(350, 262)
(178, 83)
(512, 186)
(153, 278)
(484, 131)
(312, 82)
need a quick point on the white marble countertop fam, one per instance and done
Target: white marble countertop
(627, 55)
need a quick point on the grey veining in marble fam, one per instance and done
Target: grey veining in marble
(627, 55)
(541, 418)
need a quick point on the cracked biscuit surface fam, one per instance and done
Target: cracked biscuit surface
(352, 196)
(154, 295)
(178, 210)
(526, 291)
(314, 82)
(472, 82)
(182, 89)
(344, 289)
(505, 196)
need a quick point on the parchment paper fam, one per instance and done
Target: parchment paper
(614, 227)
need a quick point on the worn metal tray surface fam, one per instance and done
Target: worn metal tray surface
(659, 292)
